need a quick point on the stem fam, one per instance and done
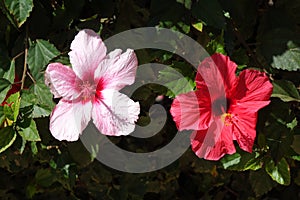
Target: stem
(31, 77)
(25, 59)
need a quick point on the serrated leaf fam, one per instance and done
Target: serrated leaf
(285, 90)
(289, 60)
(175, 82)
(41, 111)
(279, 172)
(260, 182)
(7, 138)
(19, 9)
(39, 54)
(30, 133)
(4, 87)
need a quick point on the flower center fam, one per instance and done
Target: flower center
(220, 106)
(227, 119)
(88, 90)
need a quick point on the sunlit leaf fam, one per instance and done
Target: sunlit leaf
(242, 162)
(279, 172)
(285, 90)
(19, 9)
(289, 60)
(7, 138)
(39, 54)
(13, 106)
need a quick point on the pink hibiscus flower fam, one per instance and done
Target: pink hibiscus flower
(90, 90)
(223, 108)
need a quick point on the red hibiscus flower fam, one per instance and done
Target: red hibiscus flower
(223, 108)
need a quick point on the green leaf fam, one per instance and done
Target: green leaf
(198, 26)
(5, 85)
(7, 138)
(14, 102)
(279, 172)
(260, 181)
(216, 45)
(187, 3)
(285, 90)
(39, 55)
(34, 148)
(289, 60)
(242, 162)
(39, 109)
(2, 115)
(210, 12)
(175, 82)
(296, 144)
(10, 74)
(30, 133)
(19, 9)
(44, 104)
(230, 160)
(45, 177)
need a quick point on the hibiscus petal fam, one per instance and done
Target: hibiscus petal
(244, 128)
(114, 113)
(253, 88)
(217, 73)
(213, 143)
(69, 119)
(62, 81)
(191, 111)
(88, 51)
(117, 70)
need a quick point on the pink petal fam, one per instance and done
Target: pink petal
(88, 51)
(62, 81)
(213, 143)
(191, 111)
(117, 70)
(114, 113)
(253, 88)
(217, 73)
(69, 119)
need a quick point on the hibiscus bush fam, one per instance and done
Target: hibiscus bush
(241, 103)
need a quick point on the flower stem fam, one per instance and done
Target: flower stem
(25, 59)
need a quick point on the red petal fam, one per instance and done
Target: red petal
(191, 111)
(253, 88)
(213, 143)
(218, 74)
